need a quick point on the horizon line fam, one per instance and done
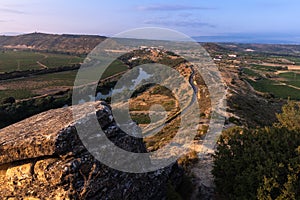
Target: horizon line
(237, 38)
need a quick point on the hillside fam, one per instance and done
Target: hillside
(74, 44)
(258, 78)
(243, 99)
(277, 49)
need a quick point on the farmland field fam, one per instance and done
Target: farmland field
(250, 72)
(44, 84)
(38, 85)
(275, 79)
(26, 60)
(115, 67)
(276, 88)
(265, 68)
(291, 78)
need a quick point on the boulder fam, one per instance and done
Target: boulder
(42, 157)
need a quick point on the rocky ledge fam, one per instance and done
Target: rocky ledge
(42, 157)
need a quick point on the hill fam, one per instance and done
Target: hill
(275, 49)
(72, 44)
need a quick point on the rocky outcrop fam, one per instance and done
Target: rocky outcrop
(42, 157)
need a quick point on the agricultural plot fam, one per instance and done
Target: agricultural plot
(278, 89)
(48, 83)
(266, 68)
(250, 72)
(275, 79)
(38, 85)
(26, 60)
(114, 68)
(291, 78)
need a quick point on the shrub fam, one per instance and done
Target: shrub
(258, 164)
(234, 120)
(8, 100)
(290, 116)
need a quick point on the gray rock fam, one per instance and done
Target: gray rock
(42, 157)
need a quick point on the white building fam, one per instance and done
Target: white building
(232, 55)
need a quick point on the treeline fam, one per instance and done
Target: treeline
(26, 73)
(261, 163)
(12, 112)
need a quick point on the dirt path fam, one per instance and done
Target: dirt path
(291, 86)
(201, 171)
(42, 65)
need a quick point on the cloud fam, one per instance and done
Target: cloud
(185, 14)
(13, 11)
(165, 7)
(179, 23)
(11, 33)
(2, 21)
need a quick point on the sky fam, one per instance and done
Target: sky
(266, 18)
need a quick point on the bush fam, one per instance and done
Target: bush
(12, 113)
(234, 120)
(262, 163)
(184, 190)
(188, 159)
(8, 100)
(290, 116)
(258, 164)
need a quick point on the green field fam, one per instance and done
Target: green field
(41, 84)
(290, 75)
(114, 68)
(264, 68)
(294, 59)
(30, 86)
(274, 87)
(250, 72)
(26, 60)
(291, 78)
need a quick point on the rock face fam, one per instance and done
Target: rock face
(42, 157)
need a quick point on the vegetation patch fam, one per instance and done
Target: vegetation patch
(275, 88)
(291, 78)
(268, 68)
(250, 72)
(28, 60)
(261, 163)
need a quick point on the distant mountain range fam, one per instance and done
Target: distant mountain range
(83, 44)
(267, 38)
(252, 38)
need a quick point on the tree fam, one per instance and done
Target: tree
(258, 164)
(290, 116)
(9, 100)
